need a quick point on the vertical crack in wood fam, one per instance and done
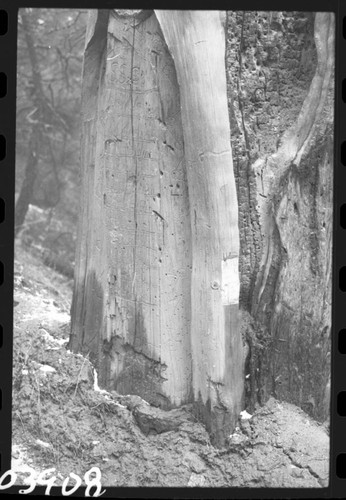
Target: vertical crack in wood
(248, 220)
(135, 183)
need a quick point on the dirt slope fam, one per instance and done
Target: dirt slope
(62, 420)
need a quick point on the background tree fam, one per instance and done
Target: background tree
(50, 49)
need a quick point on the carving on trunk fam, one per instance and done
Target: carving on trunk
(159, 215)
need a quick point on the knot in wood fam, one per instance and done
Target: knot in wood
(215, 285)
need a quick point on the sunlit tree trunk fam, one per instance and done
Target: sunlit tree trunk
(156, 285)
(197, 43)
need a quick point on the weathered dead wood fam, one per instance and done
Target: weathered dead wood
(131, 308)
(156, 285)
(196, 40)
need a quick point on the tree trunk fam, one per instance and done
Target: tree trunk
(286, 232)
(156, 284)
(30, 173)
(26, 194)
(197, 42)
(27, 189)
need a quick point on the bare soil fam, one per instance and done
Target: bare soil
(62, 420)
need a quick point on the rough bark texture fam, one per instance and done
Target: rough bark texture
(281, 102)
(157, 259)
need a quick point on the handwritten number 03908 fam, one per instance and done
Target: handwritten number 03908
(91, 482)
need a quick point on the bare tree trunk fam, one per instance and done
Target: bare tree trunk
(197, 43)
(27, 189)
(131, 307)
(156, 283)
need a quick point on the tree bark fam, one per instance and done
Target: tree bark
(156, 284)
(291, 233)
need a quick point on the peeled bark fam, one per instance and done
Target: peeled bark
(156, 284)
(132, 295)
(197, 43)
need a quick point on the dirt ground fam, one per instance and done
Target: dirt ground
(62, 420)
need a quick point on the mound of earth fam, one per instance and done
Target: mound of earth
(63, 420)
